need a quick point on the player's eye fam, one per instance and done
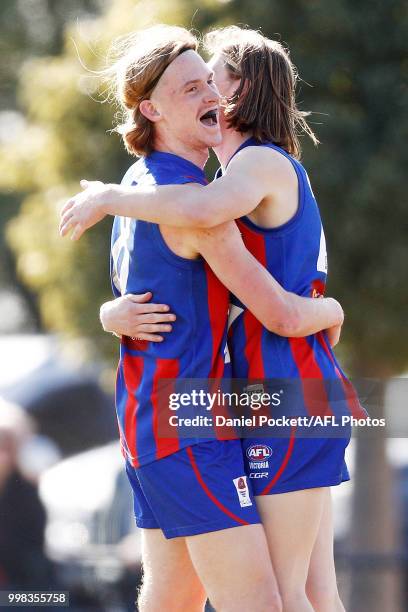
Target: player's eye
(192, 89)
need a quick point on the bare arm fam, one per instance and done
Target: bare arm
(284, 313)
(252, 174)
(233, 195)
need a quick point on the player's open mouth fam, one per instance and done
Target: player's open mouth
(210, 118)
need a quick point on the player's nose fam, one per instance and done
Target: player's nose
(212, 95)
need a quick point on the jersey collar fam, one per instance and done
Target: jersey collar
(179, 165)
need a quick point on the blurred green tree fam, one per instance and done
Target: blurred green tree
(358, 97)
(28, 28)
(65, 135)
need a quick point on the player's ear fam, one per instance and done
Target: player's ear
(149, 110)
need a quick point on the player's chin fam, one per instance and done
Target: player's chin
(211, 135)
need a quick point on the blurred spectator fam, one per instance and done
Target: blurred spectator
(23, 563)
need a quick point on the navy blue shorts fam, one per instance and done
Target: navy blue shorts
(280, 465)
(198, 489)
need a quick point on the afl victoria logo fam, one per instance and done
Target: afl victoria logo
(259, 452)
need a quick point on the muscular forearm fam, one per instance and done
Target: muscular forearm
(311, 315)
(189, 205)
(280, 311)
(174, 205)
(105, 318)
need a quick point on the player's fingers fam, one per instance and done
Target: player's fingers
(67, 206)
(64, 228)
(154, 308)
(139, 298)
(148, 337)
(66, 217)
(155, 317)
(145, 297)
(334, 339)
(85, 183)
(154, 327)
(77, 233)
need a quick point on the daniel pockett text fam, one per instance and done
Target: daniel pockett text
(260, 405)
(273, 407)
(259, 420)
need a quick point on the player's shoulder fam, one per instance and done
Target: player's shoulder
(262, 161)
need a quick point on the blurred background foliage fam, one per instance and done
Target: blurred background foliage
(53, 132)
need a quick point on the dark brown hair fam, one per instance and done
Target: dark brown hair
(264, 102)
(143, 57)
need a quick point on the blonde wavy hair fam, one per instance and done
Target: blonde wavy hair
(141, 59)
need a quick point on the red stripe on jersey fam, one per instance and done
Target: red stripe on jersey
(218, 301)
(314, 392)
(165, 444)
(132, 372)
(356, 409)
(283, 464)
(318, 288)
(121, 435)
(221, 432)
(208, 492)
(135, 345)
(253, 328)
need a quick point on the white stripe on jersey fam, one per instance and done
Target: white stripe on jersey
(122, 244)
(322, 259)
(234, 313)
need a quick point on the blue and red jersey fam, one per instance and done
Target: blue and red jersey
(295, 254)
(196, 348)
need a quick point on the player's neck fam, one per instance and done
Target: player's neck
(196, 156)
(231, 141)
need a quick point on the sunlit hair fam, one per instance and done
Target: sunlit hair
(264, 102)
(141, 59)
